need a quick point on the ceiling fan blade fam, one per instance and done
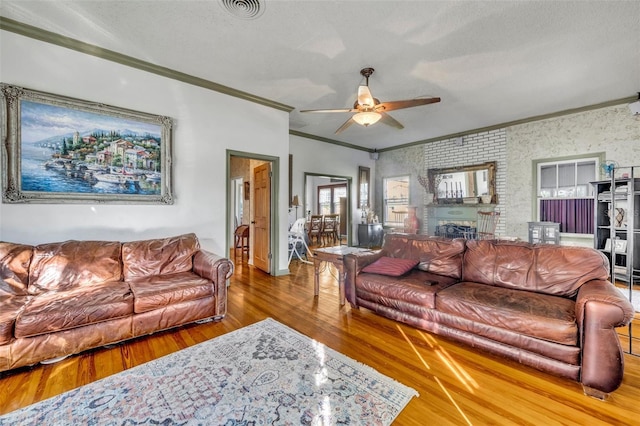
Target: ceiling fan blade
(365, 98)
(408, 103)
(346, 124)
(330, 110)
(390, 121)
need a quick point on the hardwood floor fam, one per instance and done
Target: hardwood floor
(457, 384)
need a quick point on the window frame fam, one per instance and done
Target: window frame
(385, 220)
(598, 159)
(332, 187)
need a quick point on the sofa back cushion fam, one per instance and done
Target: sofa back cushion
(159, 256)
(437, 255)
(543, 268)
(390, 266)
(14, 268)
(70, 264)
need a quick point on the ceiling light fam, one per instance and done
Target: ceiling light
(365, 99)
(367, 118)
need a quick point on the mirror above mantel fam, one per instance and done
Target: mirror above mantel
(474, 184)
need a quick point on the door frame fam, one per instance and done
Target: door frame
(275, 196)
(349, 181)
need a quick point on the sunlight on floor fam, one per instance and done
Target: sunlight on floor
(455, 368)
(321, 376)
(453, 401)
(325, 412)
(460, 373)
(321, 373)
(414, 348)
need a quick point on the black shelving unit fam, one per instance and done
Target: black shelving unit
(617, 232)
(617, 228)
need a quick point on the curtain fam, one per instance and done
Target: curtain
(575, 215)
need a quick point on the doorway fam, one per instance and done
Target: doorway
(251, 205)
(327, 194)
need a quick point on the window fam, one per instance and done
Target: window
(329, 198)
(396, 200)
(565, 195)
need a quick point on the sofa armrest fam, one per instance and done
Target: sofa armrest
(353, 264)
(600, 308)
(218, 270)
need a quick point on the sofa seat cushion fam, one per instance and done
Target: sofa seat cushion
(10, 308)
(62, 310)
(532, 314)
(417, 287)
(158, 291)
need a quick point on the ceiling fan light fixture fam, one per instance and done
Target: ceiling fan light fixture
(370, 110)
(365, 99)
(367, 118)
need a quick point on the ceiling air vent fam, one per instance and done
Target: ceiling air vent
(243, 9)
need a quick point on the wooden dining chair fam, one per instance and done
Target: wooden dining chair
(330, 226)
(315, 228)
(486, 225)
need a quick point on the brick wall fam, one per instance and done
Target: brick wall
(475, 149)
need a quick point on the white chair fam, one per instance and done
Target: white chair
(297, 234)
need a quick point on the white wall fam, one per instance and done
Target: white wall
(206, 124)
(612, 130)
(406, 161)
(311, 156)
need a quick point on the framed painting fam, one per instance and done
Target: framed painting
(619, 246)
(64, 150)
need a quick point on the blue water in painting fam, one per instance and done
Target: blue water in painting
(35, 177)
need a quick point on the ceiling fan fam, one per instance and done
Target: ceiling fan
(370, 110)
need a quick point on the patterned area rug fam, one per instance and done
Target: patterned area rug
(263, 374)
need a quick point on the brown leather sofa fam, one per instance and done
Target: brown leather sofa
(62, 298)
(549, 307)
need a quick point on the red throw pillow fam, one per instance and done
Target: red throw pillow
(391, 266)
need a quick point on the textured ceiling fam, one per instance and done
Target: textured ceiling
(491, 62)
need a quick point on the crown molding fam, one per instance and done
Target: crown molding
(91, 49)
(516, 122)
(327, 140)
(600, 105)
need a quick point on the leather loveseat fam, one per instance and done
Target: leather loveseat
(549, 307)
(62, 298)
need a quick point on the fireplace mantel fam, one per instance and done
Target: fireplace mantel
(457, 214)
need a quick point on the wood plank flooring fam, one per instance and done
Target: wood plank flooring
(457, 384)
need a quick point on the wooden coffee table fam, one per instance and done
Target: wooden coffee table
(334, 255)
